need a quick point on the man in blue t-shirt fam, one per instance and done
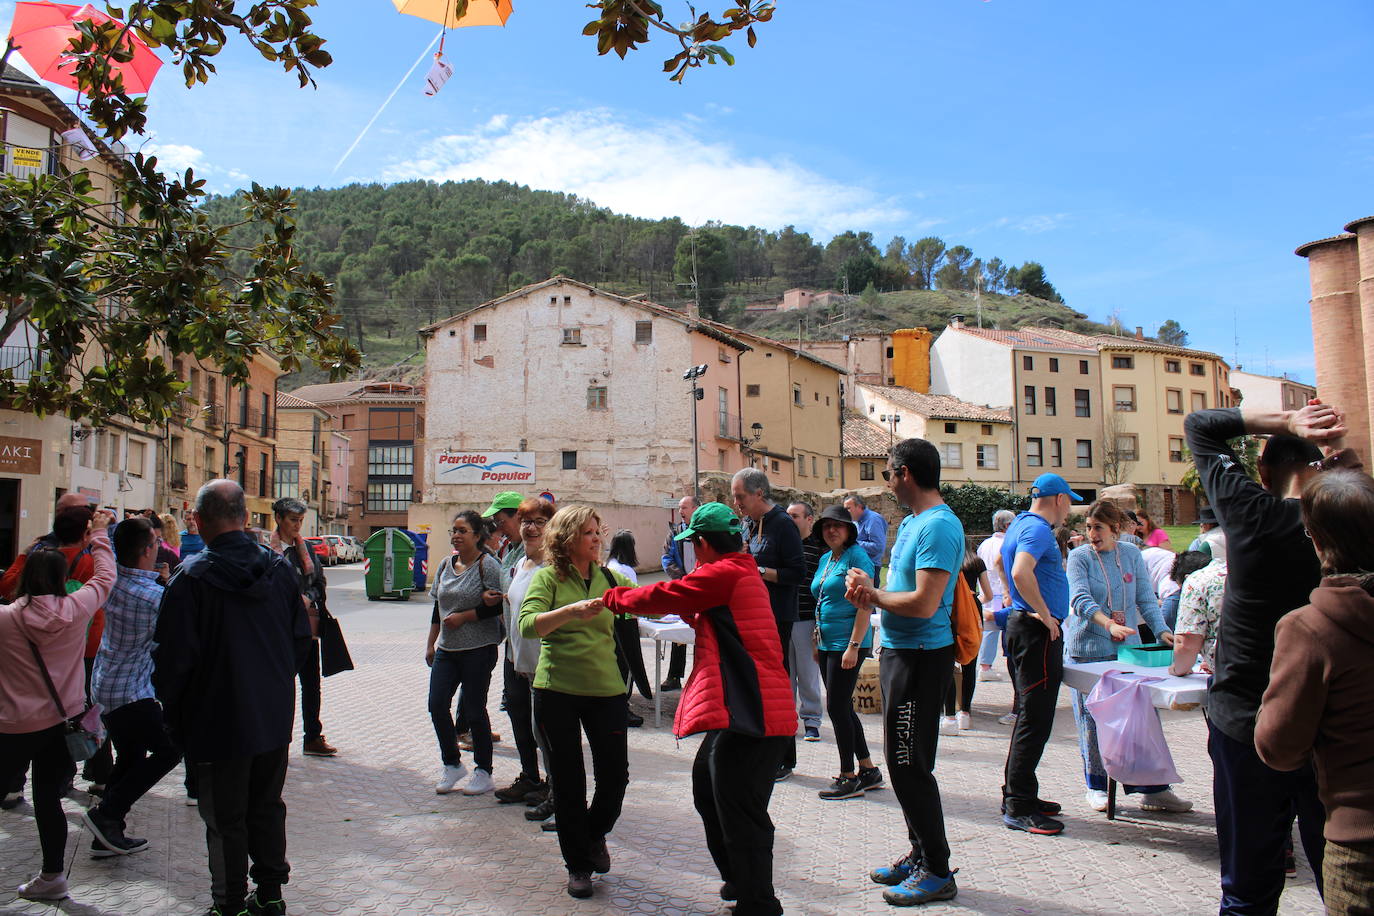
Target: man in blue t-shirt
(1039, 591)
(917, 664)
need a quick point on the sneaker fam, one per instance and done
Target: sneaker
(634, 719)
(109, 833)
(672, 683)
(895, 873)
(601, 858)
(949, 725)
(923, 887)
(257, 906)
(813, 733)
(870, 778)
(964, 721)
(988, 674)
(1165, 801)
(41, 888)
(517, 791)
(227, 911)
(480, 784)
(843, 787)
(728, 892)
(495, 737)
(131, 844)
(784, 772)
(549, 826)
(1008, 719)
(1048, 808)
(450, 778)
(1038, 824)
(1290, 864)
(537, 795)
(1096, 799)
(11, 801)
(318, 747)
(579, 884)
(542, 811)
(464, 741)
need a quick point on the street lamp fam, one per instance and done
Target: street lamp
(691, 375)
(748, 444)
(891, 419)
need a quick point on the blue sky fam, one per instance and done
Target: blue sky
(1161, 160)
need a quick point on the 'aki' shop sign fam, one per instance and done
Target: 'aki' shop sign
(484, 467)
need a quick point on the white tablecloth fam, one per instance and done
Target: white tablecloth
(1181, 693)
(667, 632)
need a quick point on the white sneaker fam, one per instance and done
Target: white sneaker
(989, 674)
(1008, 719)
(1096, 799)
(41, 888)
(450, 778)
(964, 721)
(480, 784)
(948, 725)
(1164, 801)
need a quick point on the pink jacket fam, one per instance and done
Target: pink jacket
(58, 627)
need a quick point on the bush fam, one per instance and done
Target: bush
(975, 504)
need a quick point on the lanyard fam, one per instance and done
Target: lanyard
(1116, 558)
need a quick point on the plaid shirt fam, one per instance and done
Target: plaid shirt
(124, 666)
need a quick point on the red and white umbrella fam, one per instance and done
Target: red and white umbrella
(42, 33)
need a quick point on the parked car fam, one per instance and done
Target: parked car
(324, 550)
(358, 553)
(343, 548)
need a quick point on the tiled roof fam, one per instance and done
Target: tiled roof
(863, 438)
(1118, 342)
(286, 399)
(1025, 338)
(330, 391)
(939, 406)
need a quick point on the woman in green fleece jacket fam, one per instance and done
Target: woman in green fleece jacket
(577, 686)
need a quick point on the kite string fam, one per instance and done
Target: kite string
(437, 39)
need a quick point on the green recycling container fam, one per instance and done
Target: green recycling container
(389, 565)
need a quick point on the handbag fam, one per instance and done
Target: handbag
(81, 743)
(334, 656)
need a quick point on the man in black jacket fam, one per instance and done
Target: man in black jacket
(1272, 568)
(232, 633)
(775, 543)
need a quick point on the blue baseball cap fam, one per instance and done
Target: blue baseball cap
(1052, 485)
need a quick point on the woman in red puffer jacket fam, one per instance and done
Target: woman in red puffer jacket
(739, 694)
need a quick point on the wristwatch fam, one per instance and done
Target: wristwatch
(853, 644)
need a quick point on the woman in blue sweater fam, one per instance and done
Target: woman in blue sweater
(844, 639)
(1110, 596)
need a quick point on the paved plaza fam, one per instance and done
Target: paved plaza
(368, 835)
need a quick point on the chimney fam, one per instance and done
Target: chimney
(956, 321)
(1139, 333)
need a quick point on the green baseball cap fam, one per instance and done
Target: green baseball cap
(506, 500)
(711, 517)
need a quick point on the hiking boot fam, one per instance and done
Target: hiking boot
(634, 719)
(542, 811)
(538, 794)
(41, 888)
(895, 873)
(923, 887)
(109, 833)
(672, 683)
(601, 858)
(1038, 824)
(842, 787)
(318, 747)
(517, 791)
(579, 884)
(870, 778)
(259, 904)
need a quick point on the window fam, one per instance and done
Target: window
(1054, 364)
(1127, 448)
(1173, 400)
(986, 429)
(390, 460)
(951, 455)
(865, 470)
(596, 397)
(1176, 449)
(211, 465)
(796, 395)
(1172, 365)
(1198, 401)
(114, 453)
(1035, 452)
(570, 461)
(572, 337)
(1082, 403)
(889, 352)
(801, 465)
(388, 497)
(1057, 453)
(1082, 367)
(830, 467)
(1085, 453)
(1051, 402)
(286, 479)
(813, 466)
(776, 466)
(951, 428)
(987, 457)
(138, 457)
(723, 425)
(1196, 369)
(243, 405)
(816, 396)
(1027, 363)
(1123, 362)
(315, 443)
(1123, 397)
(347, 421)
(266, 419)
(1030, 400)
(479, 332)
(644, 332)
(751, 391)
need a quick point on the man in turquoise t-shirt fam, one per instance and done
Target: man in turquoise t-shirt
(917, 665)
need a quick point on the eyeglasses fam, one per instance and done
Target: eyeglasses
(888, 472)
(536, 522)
(460, 531)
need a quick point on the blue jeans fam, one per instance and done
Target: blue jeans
(1094, 773)
(471, 669)
(987, 651)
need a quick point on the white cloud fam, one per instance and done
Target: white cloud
(1031, 224)
(176, 158)
(651, 170)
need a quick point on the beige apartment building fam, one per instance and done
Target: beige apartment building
(975, 442)
(303, 461)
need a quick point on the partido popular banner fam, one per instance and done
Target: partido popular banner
(484, 467)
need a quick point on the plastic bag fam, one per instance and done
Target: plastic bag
(1130, 737)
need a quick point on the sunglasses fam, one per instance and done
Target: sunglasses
(888, 472)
